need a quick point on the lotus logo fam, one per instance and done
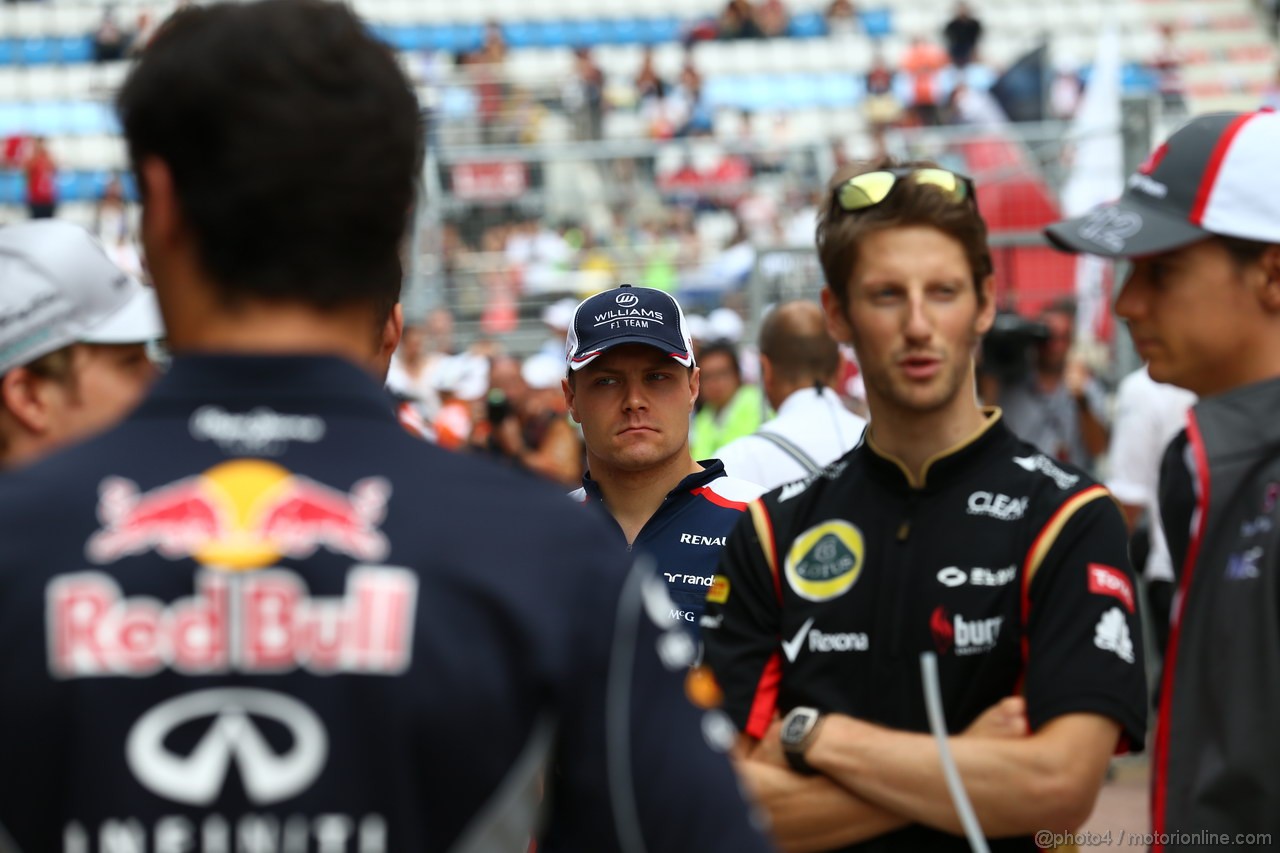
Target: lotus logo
(626, 300)
(197, 776)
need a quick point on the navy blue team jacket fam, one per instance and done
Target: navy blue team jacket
(685, 536)
(259, 609)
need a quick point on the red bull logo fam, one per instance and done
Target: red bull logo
(259, 622)
(242, 514)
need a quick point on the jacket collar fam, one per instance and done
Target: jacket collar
(320, 384)
(712, 469)
(1241, 422)
(942, 467)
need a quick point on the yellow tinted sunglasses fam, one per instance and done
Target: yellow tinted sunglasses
(870, 188)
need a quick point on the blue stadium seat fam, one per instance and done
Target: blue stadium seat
(75, 49)
(13, 189)
(455, 38)
(658, 30)
(552, 34)
(807, 25)
(519, 34)
(588, 33)
(838, 90)
(623, 31)
(8, 51)
(407, 38)
(37, 51)
(876, 22)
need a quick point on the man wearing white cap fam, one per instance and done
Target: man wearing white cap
(73, 334)
(1200, 222)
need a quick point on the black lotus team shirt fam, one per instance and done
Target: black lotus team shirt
(1008, 565)
(259, 616)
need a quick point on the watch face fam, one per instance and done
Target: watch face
(793, 730)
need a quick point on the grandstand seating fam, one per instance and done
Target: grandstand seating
(50, 87)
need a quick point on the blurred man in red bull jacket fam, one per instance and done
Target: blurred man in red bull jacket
(259, 615)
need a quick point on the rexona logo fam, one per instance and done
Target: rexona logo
(1040, 462)
(825, 561)
(998, 506)
(964, 636)
(821, 642)
(259, 623)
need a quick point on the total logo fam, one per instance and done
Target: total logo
(260, 622)
(239, 515)
(964, 636)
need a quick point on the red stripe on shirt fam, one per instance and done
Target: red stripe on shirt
(765, 705)
(1159, 779)
(719, 500)
(1214, 166)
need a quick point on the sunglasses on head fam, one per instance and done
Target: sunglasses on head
(870, 188)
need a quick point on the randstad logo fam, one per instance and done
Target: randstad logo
(626, 300)
(825, 561)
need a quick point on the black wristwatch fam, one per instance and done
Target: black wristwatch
(798, 729)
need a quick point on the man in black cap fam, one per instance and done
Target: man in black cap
(1200, 222)
(632, 383)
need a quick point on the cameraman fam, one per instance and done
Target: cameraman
(1048, 396)
(528, 420)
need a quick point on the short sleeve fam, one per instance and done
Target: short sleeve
(1134, 456)
(741, 623)
(1083, 632)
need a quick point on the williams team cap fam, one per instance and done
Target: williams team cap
(627, 315)
(1214, 176)
(57, 287)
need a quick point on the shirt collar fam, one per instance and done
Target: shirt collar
(712, 469)
(806, 397)
(294, 382)
(942, 467)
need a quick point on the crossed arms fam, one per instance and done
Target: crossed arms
(875, 780)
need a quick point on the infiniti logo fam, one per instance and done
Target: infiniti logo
(197, 778)
(626, 300)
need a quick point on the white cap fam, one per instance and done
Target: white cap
(57, 287)
(697, 325)
(542, 371)
(724, 324)
(559, 315)
(465, 376)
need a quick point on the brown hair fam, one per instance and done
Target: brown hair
(57, 366)
(794, 338)
(840, 232)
